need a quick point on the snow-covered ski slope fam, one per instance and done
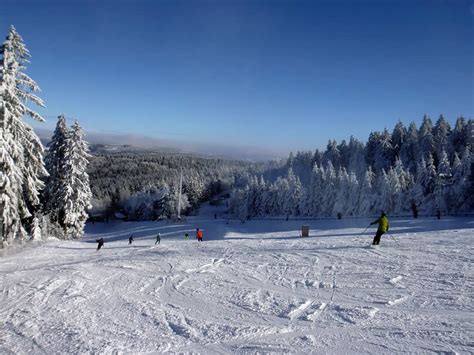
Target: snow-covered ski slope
(248, 288)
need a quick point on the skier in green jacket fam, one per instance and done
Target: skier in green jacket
(384, 225)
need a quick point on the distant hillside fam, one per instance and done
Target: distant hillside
(107, 142)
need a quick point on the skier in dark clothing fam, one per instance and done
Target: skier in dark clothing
(414, 208)
(100, 243)
(158, 238)
(384, 225)
(130, 240)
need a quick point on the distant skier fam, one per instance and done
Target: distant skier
(199, 235)
(414, 208)
(438, 213)
(186, 236)
(100, 243)
(130, 239)
(384, 225)
(158, 238)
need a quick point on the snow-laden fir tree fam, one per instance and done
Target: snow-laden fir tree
(21, 152)
(75, 193)
(441, 132)
(384, 152)
(342, 201)
(465, 187)
(36, 228)
(54, 165)
(458, 139)
(426, 140)
(315, 191)
(367, 198)
(356, 161)
(443, 182)
(332, 154)
(293, 194)
(408, 149)
(354, 194)
(398, 137)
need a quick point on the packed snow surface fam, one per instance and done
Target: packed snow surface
(255, 287)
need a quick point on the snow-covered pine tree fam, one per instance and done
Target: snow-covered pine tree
(408, 149)
(367, 197)
(441, 133)
(384, 201)
(243, 208)
(426, 140)
(465, 188)
(36, 228)
(356, 161)
(398, 137)
(443, 183)
(329, 190)
(354, 194)
(294, 194)
(342, 201)
(54, 164)
(444, 168)
(172, 202)
(75, 191)
(384, 152)
(395, 191)
(426, 177)
(21, 158)
(317, 188)
(332, 154)
(371, 147)
(262, 202)
(403, 180)
(313, 192)
(345, 154)
(254, 197)
(458, 138)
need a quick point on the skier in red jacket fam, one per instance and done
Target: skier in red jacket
(199, 235)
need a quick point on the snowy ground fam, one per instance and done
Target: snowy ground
(248, 288)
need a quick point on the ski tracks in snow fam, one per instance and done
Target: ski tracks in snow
(247, 294)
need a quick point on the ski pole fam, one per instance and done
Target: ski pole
(360, 234)
(391, 235)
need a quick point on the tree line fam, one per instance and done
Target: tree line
(144, 185)
(427, 169)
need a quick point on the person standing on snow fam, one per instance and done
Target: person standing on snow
(384, 225)
(130, 240)
(414, 208)
(199, 235)
(186, 236)
(100, 243)
(158, 238)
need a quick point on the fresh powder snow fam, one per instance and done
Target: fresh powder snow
(254, 287)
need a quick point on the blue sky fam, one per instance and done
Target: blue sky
(282, 75)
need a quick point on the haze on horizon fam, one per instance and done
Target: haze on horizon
(278, 76)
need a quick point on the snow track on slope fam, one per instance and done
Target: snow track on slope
(253, 292)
